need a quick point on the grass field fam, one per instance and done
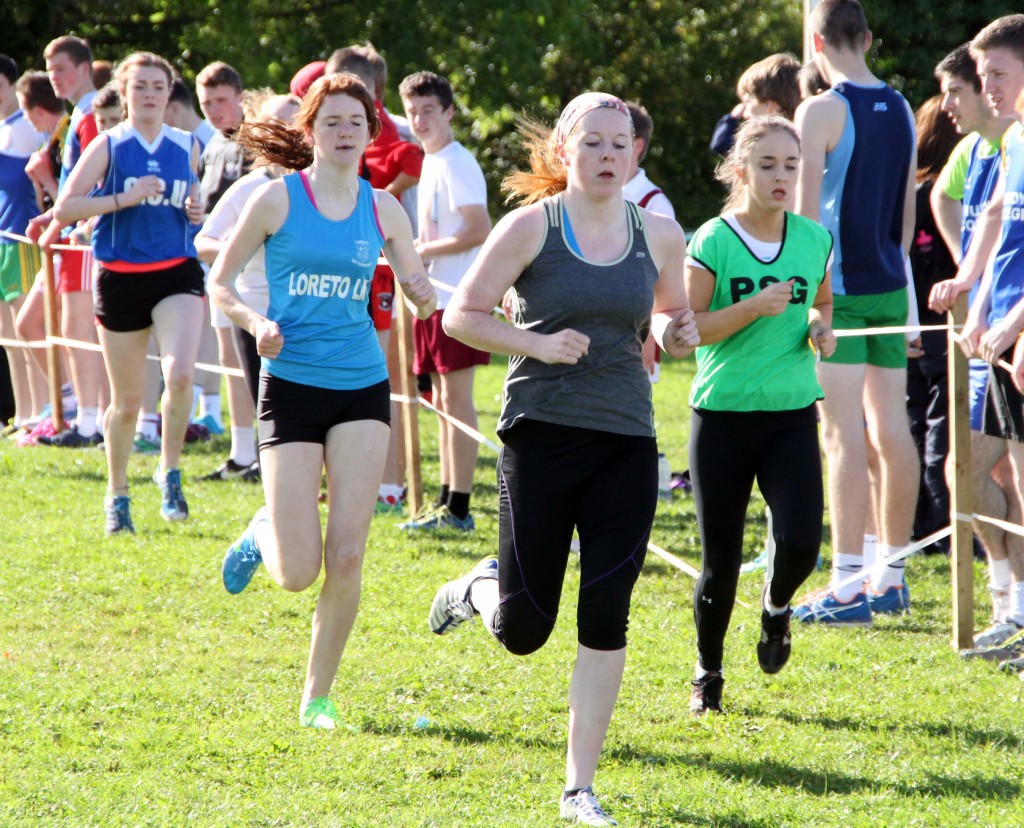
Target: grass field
(135, 692)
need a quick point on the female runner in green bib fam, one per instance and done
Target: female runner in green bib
(758, 280)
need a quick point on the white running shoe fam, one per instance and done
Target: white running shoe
(451, 605)
(999, 633)
(584, 809)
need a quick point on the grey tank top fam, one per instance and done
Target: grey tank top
(608, 389)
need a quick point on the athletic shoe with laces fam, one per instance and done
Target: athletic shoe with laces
(441, 518)
(451, 605)
(45, 428)
(389, 505)
(706, 694)
(584, 809)
(227, 470)
(996, 634)
(9, 429)
(253, 474)
(210, 423)
(895, 600)
(825, 608)
(1011, 648)
(319, 713)
(172, 499)
(243, 556)
(117, 511)
(71, 438)
(1014, 665)
(774, 647)
(759, 564)
(143, 445)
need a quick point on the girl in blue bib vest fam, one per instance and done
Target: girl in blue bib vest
(149, 279)
(758, 279)
(324, 397)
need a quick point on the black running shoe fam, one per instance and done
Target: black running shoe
(774, 647)
(706, 695)
(227, 470)
(70, 438)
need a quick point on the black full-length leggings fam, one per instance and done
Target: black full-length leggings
(729, 450)
(552, 478)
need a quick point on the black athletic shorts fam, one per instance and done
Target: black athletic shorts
(1004, 406)
(124, 301)
(290, 412)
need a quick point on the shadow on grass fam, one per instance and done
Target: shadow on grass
(772, 774)
(973, 736)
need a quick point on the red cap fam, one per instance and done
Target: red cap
(305, 76)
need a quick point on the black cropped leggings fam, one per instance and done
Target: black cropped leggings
(552, 478)
(729, 450)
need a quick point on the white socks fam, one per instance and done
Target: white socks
(845, 566)
(884, 576)
(243, 448)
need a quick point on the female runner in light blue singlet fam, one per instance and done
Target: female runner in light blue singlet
(324, 395)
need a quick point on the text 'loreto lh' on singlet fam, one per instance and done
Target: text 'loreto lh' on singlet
(767, 365)
(157, 230)
(863, 190)
(318, 275)
(608, 389)
(1008, 265)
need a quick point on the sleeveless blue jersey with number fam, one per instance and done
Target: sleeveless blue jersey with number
(157, 229)
(318, 274)
(17, 196)
(864, 187)
(1008, 266)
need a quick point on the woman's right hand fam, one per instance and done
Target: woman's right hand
(146, 187)
(563, 348)
(269, 340)
(772, 300)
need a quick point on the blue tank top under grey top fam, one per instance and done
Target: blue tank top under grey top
(608, 389)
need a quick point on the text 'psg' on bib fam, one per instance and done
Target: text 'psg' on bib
(158, 229)
(318, 275)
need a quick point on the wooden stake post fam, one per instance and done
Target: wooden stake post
(410, 411)
(960, 496)
(52, 350)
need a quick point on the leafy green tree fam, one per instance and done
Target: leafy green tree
(680, 58)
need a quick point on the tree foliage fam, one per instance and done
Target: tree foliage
(680, 58)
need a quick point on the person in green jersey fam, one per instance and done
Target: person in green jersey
(759, 284)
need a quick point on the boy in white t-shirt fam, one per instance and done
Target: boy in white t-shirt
(453, 224)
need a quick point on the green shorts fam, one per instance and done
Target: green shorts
(19, 264)
(880, 310)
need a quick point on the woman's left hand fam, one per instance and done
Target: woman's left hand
(420, 292)
(823, 338)
(682, 332)
(194, 205)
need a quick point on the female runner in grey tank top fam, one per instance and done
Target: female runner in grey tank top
(586, 271)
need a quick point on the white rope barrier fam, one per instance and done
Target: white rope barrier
(901, 329)
(904, 553)
(461, 426)
(1002, 524)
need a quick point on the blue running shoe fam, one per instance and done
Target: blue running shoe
(172, 499)
(117, 510)
(210, 423)
(451, 605)
(894, 601)
(243, 556)
(441, 518)
(825, 608)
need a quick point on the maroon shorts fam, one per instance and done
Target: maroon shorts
(382, 297)
(438, 353)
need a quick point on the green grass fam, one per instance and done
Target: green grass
(135, 691)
